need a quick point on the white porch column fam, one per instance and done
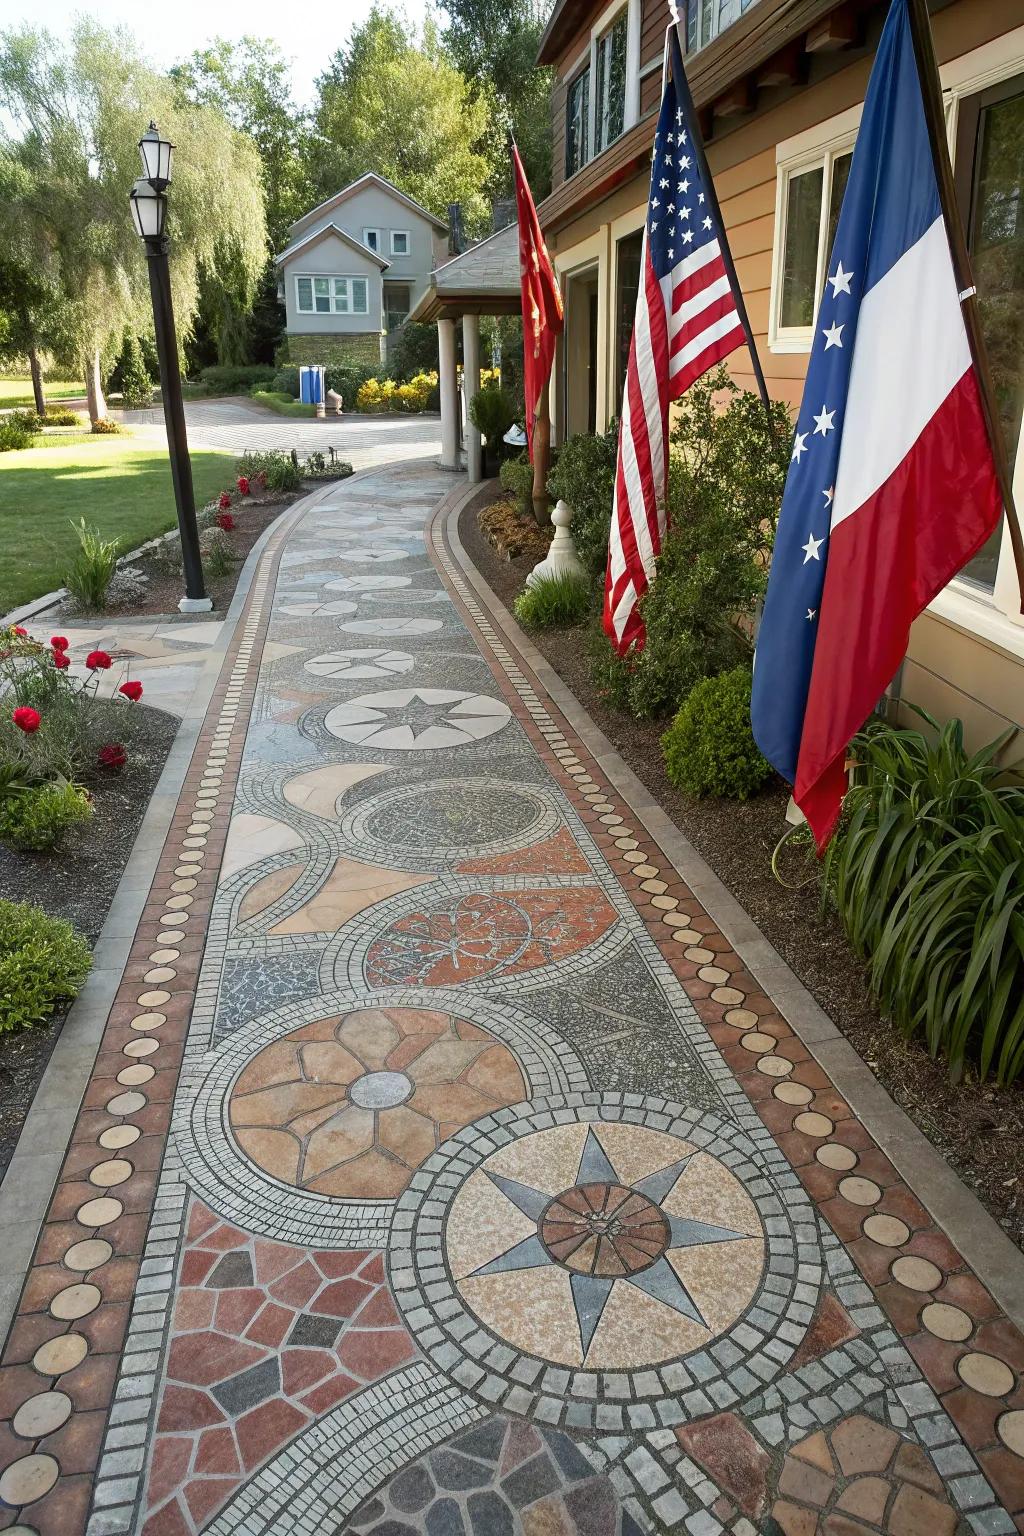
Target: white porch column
(448, 385)
(471, 383)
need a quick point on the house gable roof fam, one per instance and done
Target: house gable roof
(371, 179)
(331, 229)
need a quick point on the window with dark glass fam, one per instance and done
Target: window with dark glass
(706, 18)
(627, 282)
(577, 123)
(814, 197)
(611, 84)
(990, 185)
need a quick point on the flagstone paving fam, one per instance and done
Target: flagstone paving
(442, 1172)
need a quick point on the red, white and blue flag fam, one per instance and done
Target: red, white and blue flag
(892, 485)
(688, 317)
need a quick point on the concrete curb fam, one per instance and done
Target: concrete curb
(995, 1259)
(32, 1173)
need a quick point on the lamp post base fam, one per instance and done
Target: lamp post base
(195, 605)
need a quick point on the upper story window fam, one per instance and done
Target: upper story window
(610, 115)
(810, 196)
(577, 123)
(331, 295)
(706, 18)
(399, 242)
(371, 239)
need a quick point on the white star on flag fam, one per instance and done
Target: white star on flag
(800, 446)
(829, 495)
(833, 336)
(841, 282)
(824, 422)
(811, 611)
(811, 548)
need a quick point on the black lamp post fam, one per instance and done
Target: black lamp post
(148, 199)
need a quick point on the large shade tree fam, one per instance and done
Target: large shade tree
(73, 112)
(397, 105)
(494, 43)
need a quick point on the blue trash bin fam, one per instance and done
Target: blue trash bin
(311, 385)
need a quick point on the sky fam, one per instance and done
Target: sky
(168, 32)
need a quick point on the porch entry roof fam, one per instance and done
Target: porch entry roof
(482, 281)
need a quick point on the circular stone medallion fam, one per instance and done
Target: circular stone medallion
(447, 819)
(603, 1237)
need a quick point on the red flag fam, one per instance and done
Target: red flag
(543, 317)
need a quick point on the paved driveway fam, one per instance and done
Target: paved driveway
(238, 425)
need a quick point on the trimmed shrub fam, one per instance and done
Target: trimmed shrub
(516, 475)
(14, 434)
(346, 381)
(136, 384)
(89, 577)
(554, 602)
(223, 380)
(43, 961)
(709, 748)
(286, 382)
(61, 416)
(492, 413)
(413, 350)
(583, 476)
(926, 872)
(104, 427)
(35, 820)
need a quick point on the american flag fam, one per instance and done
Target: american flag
(688, 317)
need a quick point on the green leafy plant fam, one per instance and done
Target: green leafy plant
(554, 602)
(927, 874)
(584, 478)
(217, 554)
(35, 819)
(280, 470)
(61, 416)
(14, 435)
(516, 475)
(726, 476)
(43, 961)
(221, 379)
(136, 384)
(89, 577)
(492, 413)
(104, 427)
(709, 748)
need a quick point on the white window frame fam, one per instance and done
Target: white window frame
(990, 616)
(587, 59)
(336, 307)
(820, 153)
(376, 235)
(408, 242)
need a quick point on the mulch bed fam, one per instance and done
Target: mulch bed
(978, 1128)
(77, 882)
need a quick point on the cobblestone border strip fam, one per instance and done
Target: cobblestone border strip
(971, 1353)
(76, 1313)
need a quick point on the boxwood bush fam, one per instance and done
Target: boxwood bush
(709, 748)
(583, 476)
(223, 380)
(43, 962)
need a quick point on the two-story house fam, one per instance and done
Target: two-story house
(353, 269)
(779, 85)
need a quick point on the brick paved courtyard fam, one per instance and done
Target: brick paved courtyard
(443, 1172)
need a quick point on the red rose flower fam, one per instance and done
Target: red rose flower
(112, 757)
(131, 690)
(61, 660)
(98, 661)
(225, 500)
(27, 719)
(58, 643)
(243, 485)
(20, 631)
(225, 521)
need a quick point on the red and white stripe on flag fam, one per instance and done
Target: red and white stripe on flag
(687, 319)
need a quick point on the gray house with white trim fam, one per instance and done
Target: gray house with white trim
(354, 269)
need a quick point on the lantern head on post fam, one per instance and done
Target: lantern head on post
(149, 210)
(157, 158)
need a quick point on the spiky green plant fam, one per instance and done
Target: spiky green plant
(927, 873)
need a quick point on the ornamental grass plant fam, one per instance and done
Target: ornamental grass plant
(554, 602)
(89, 576)
(927, 874)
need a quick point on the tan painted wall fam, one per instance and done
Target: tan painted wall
(950, 669)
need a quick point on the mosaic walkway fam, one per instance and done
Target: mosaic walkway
(442, 1172)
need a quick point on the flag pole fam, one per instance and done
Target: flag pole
(540, 436)
(690, 111)
(935, 118)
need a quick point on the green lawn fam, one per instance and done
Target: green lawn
(18, 392)
(282, 404)
(117, 486)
